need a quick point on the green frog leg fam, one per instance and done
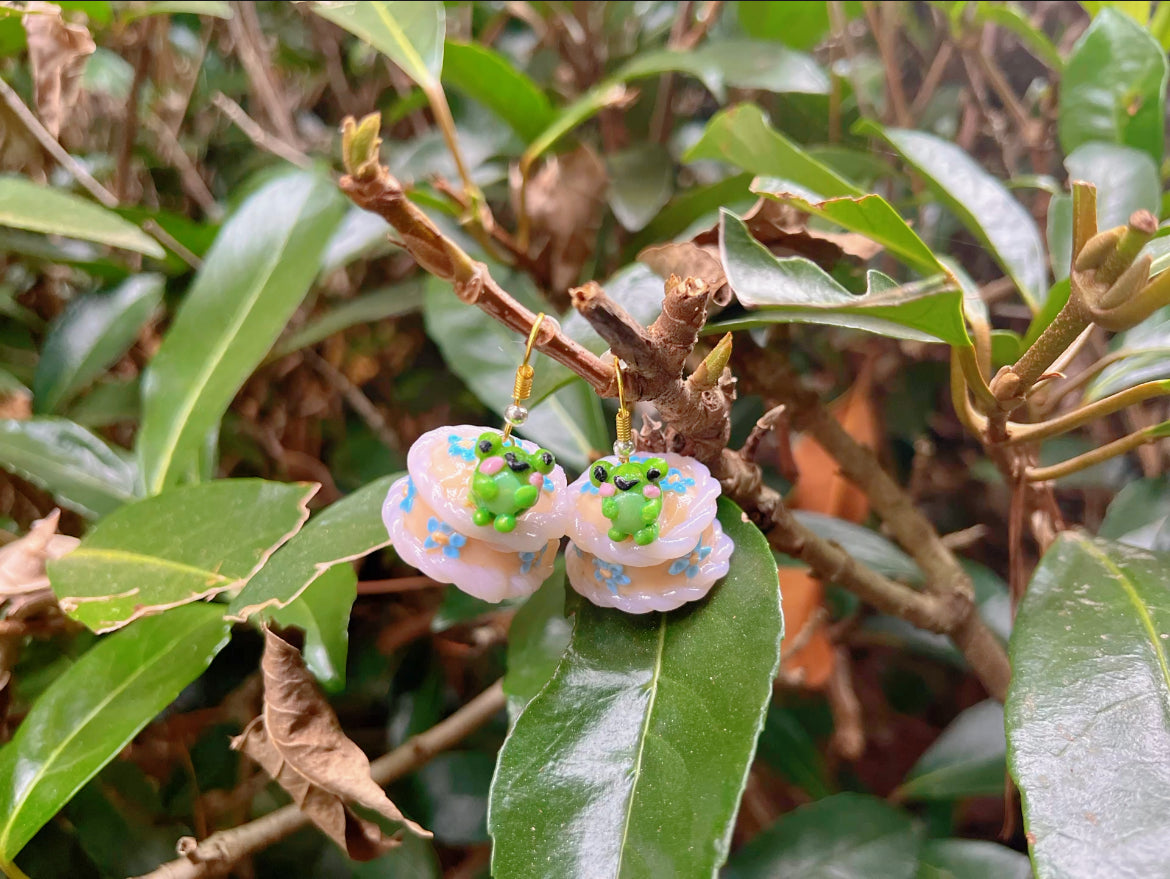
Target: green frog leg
(609, 508)
(484, 486)
(617, 535)
(651, 510)
(505, 523)
(647, 535)
(526, 496)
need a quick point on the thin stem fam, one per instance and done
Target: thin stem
(437, 98)
(1027, 433)
(216, 854)
(968, 361)
(1096, 456)
(1083, 378)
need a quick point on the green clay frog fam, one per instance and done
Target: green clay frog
(507, 481)
(630, 497)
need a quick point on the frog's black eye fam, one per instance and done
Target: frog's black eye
(653, 474)
(485, 446)
(601, 474)
(546, 459)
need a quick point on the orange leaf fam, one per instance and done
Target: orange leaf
(801, 597)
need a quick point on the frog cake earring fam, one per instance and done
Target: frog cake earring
(481, 508)
(643, 530)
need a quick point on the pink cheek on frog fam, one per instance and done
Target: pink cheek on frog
(491, 466)
(536, 479)
(606, 489)
(651, 491)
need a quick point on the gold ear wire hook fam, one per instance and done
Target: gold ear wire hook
(517, 414)
(624, 446)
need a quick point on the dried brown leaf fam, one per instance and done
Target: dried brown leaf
(784, 230)
(22, 562)
(299, 742)
(565, 201)
(689, 260)
(56, 51)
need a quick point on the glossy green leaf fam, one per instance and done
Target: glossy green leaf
(408, 33)
(847, 836)
(496, 82)
(971, 859)
(632, 759)
(1140, 515)
(1114, 87)
(346, 530)
(537, 640)
(90, 335)
(212, 8)
(1138, 10)
(360, 234)
(981, 203)
(28, 205)
(458, 607)
(742, 136)
(322, 611)
(1088, 710)
(252, 280)
(81, 471)
(967, 760)
(94, 709)
(641, 181)
(869, 215)
(183, 545)
(692, 205)
(1059, 234)
(736, 63)
(795, 289)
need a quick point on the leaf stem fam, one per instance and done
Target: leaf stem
(1096, 456)
(1025, 433)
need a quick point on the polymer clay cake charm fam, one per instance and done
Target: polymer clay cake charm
(683, 550)
(491, 544)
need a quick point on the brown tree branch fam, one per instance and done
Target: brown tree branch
(216, 855)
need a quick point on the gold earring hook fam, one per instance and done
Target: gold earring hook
(517, 414)
(624, 447)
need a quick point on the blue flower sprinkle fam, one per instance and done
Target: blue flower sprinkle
(441, 535)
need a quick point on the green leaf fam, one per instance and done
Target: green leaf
(1114, 87)
(497, 83)
(27, 205)
(692, 205)
(967, 760)
(346, 530)
(971, 859)
(1088, 710)
(359, 234)
(537, 640)
(742, 136)
(90, 335)
(799, 25)
(735, 63)
(378, 305)
(795, 289)
(1140, 515)
(321, 611)
(632, 759)
(94, 709)
(982, 203)
(641, 181)
(254, 277)
(82, 472)
(408, 33)
(869, 215)
(212, 8)
(847, 836)
(183, 545)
